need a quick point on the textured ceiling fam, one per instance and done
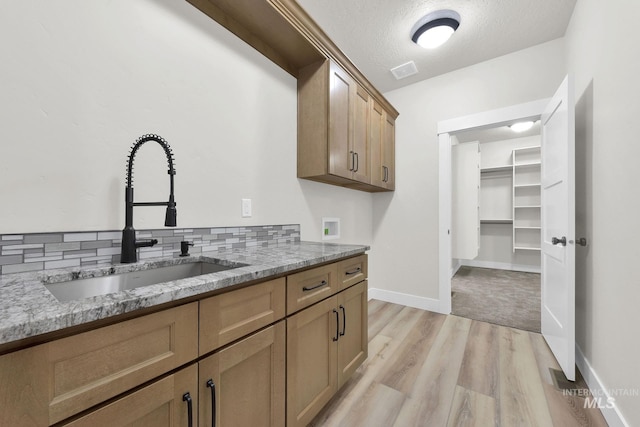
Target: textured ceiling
(375, 34)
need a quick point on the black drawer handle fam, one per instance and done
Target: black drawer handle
(352, 272)
(337, 325)
(344, 320)
(353, 161)
(187, 398)
(212, 386)
(357, 166)
(319, 285)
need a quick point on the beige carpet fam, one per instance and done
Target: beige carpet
(508, 298)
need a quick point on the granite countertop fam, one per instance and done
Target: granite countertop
(28, 309)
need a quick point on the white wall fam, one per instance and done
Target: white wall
(405, 223)
(603, 56)
(81, 80)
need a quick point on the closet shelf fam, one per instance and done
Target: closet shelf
(502, 168)
(524, 164)
(526, 199)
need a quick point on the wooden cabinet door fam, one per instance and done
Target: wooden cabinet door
(247, 382)
(382, 140)
(389, 152)
(340, 126)
(160, 404)
(375, 139)
(360, 138)
(311, 361)
(353, 342)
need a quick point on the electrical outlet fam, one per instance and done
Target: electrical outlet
(246, 208)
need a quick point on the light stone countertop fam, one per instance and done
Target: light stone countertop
(28, 309)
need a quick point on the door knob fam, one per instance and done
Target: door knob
(562, 241)
(582, 241)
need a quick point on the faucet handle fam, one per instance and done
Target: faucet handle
(184, 248)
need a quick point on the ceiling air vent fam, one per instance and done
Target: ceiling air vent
(404, 70)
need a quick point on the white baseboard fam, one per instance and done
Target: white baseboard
(611, 413)
(501, 265)
(422, 303)
(456, 267)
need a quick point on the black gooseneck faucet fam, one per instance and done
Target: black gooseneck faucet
(128, 253)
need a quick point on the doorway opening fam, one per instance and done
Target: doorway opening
(465, 127)
(557, 246)
(496, 226)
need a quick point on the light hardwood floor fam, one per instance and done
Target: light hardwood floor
(429, 369)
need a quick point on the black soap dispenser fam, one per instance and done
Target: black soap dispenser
(184, 248)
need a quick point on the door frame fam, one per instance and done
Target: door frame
(488, 119)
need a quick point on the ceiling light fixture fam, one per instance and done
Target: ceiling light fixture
(435, 28)
(521, 126)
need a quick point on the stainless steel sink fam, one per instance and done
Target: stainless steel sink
(83, 288)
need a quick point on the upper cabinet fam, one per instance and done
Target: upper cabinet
(333, 127)
(345, 137)
(346, 128)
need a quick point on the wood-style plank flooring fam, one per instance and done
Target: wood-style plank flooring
(429, 369)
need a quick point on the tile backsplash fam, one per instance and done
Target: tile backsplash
(44, 251)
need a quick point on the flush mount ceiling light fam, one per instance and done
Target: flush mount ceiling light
(521, 126)
(435, 28)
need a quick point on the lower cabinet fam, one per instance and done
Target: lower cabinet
(245, 382)
(325, 345)
(170, 401)
(233, 359)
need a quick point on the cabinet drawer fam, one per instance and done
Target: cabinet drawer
(227, 317)
(94, 366)
(160, 404)
(352, 271)
(308, 287)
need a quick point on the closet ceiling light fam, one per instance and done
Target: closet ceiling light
(521, 126)
(435, 28)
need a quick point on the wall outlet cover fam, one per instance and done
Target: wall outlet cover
(246, 208)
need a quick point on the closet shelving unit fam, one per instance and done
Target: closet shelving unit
(526, 199)
(495, 202)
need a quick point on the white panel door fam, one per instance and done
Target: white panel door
(558, 227)
(465, 167)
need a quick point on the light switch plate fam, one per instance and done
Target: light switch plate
(246, 208)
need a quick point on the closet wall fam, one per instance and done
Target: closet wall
(509, 205)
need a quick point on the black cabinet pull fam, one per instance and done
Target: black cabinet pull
(319, 285)
(353, 160)
(187, 398)
(212, 386)
(357, 166)
(352, 272)
(337, 325)
(344, 320)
